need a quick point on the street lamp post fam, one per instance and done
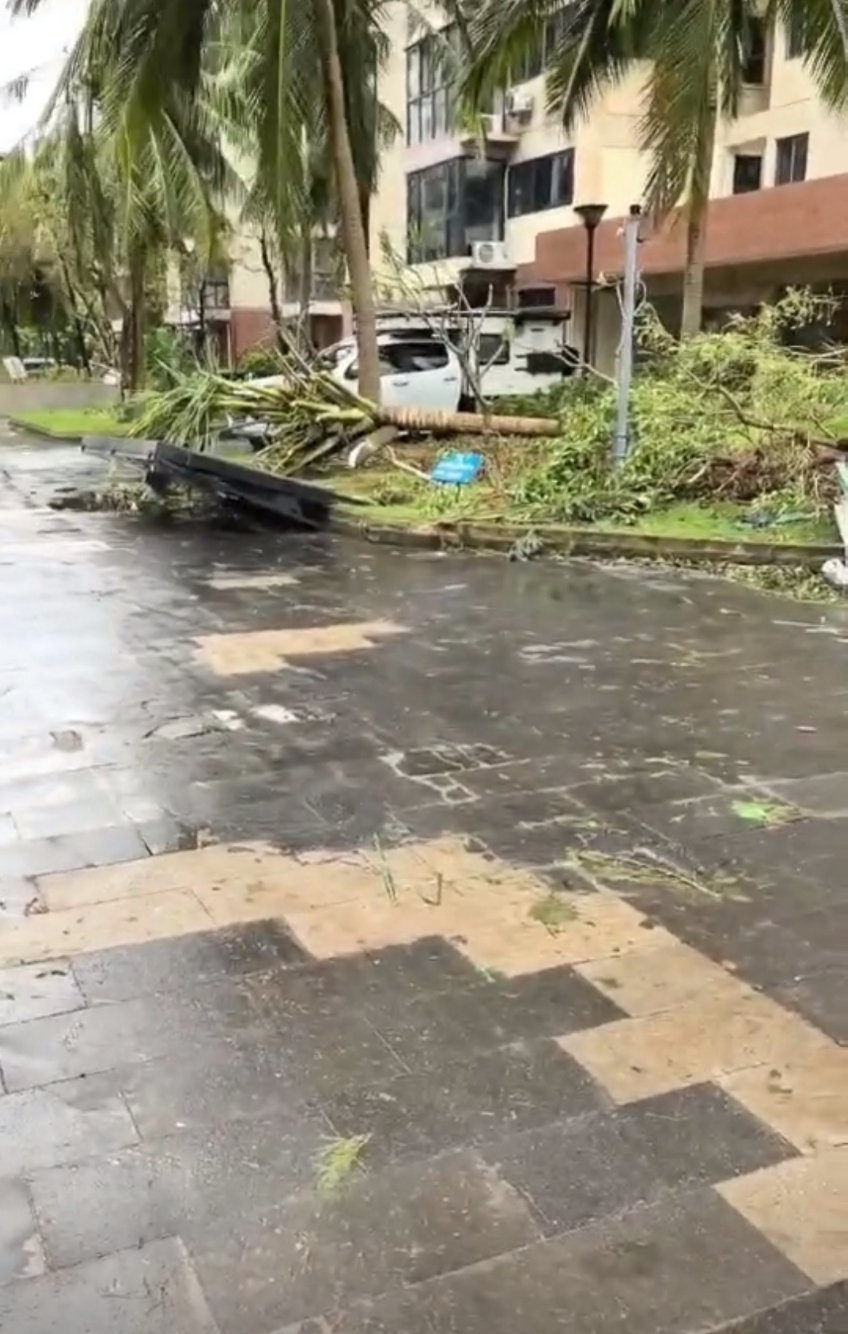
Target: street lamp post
(590, 215)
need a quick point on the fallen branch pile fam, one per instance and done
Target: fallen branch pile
(307, 414)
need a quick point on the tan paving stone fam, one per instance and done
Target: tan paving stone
(636, 1058)
(805, 1099)
(268, 650)
(279, 886)
(151, 875)
(258, 581)
(801, 1205)
(648, 981)
(99, 926)
(511, 940)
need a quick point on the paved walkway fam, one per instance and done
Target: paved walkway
(404, 945)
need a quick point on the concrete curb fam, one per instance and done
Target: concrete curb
(43, 432)
(583, 542)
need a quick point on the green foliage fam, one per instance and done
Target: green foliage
(737, 414)
(169, 355)
(260, 361)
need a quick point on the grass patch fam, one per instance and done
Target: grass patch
(337, 1162)
(553, 913)
(74, 423)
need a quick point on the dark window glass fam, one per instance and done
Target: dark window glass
(795, 37)
(747, 172)
(543, 182)
(492, 350)
(452, 205)
(791, 159)
(536, 296)
(428, 355)
(754, 62)
(483, 211)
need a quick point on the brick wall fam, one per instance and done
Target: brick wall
(807, 219)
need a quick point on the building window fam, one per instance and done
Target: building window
(540, 183)
(796, 37)
(747, 172)
(430, 64)
(452, 205)
(542, 53)
(528, 297)
(754, 62)
(791, 159)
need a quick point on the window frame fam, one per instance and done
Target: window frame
(446, 235)
(743, 189)
(797, 146)
(756, 57)
(795, 40)
(538, 58)
(429, 86)
(535, 169)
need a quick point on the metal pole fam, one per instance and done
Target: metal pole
(621, 439)
(590, 278)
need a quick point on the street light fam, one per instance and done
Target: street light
(590, 215)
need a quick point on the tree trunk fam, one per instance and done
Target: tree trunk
(461, 423)
(353, 232)
(12, 326)
(134, 319)
(304, 341)
(73, 307)
(693, 273)
(273, 291)
(696, 230)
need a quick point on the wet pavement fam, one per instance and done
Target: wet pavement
(412, 943)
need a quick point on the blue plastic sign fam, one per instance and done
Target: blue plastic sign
(457, 469)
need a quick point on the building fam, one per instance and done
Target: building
(234, 305)
(779, 186)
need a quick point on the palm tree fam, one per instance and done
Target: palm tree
(698, 51)
(303, 61)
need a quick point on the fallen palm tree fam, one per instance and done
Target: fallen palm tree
(307, 415)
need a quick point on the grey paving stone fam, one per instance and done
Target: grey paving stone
(32, 991)
(179, 1185)
(578, 1171)
(683, 1265)
(317, 1253)
(148, 1290)
(821, 1312)
(821, 794)
(21, 1251)
(822, 998)
(467, 1102)
(431, 1030)
(105, 1036)
(181, 963)
(62, 1123)
(78, 817)
(207, 1086)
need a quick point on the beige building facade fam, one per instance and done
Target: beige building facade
(779, 184)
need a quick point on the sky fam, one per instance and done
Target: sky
(34, 44)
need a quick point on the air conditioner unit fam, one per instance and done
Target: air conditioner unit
(492, 124)
(519, 103)
(490, 255)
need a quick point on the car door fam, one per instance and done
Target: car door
(416, 373)
(420, 373)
